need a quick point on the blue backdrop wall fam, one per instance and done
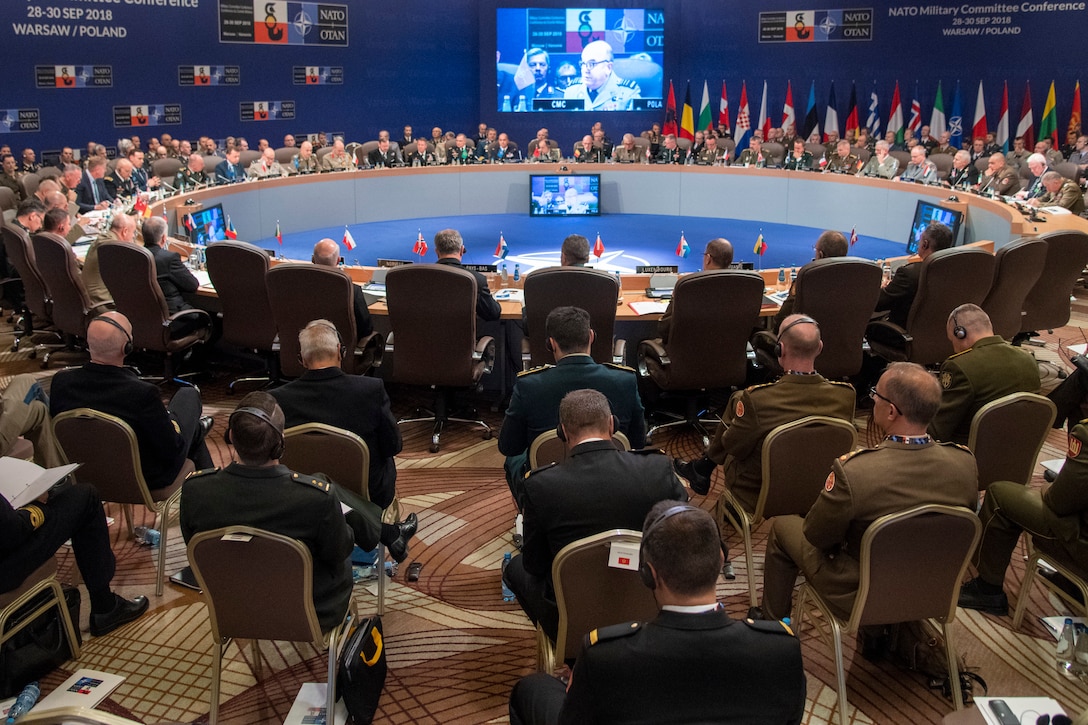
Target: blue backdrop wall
(427, 63)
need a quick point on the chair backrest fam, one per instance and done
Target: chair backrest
(1047, 304)
(713, 313)
(591, 594)
(166, 168)
(247, 157)
(840, 293)
(775, 150)
(796, 458)
(1007, 435)
(817, 150)
(1068, 170)
(60, 271)
(339, 454)
(284, 154)
(904, 158)
(107, 448)
(238, 270)
(238, 566)
(943, 162)
(300, 293)
(1017, 267)
(129, 273)
(547, 448)
(326, 150)
(432, 310)
(8, 200)
(949, 278)
(49, 172)
(21, 256)
(912, 563)
(30, 182)
(594, 291)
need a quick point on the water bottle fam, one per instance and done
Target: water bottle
(517, 272)
(506, 104)
(507, 595)
(1080, 650)
(505, 275)
(146, 536)
(886, 270)
(619, 283)
(793, 276)
(1066, 646)
(781, 278)
(26, 699)
(521, 104)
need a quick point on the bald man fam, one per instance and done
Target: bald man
(166, 435)
(122, 229)
(327, 254)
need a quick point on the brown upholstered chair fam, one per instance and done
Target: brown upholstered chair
(840, 294)
(1007, 435)
(247, 157)
(796, 459)
(37, 309)
(594, 291)
(912, 563)
(107, 448)
(1017, 268)
(300, 293)
(949, 278)
(129, 273)
(712, 316)
(238, 270)
(591, 594)
(237, 566)
(345, 458)
(284, 154)
(9, 201)
(42, 579)
(547, 448)
(943, 162)
(1047, 305)
(432, 312)
(72, 308)
(1052, 553)
(776, 152)
(166, 169)
(30, 182)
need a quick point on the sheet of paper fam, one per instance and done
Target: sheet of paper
(85, 688)
(309, 707)
(1080, 348)
(1020, 706)
(1054, 465)
(649, 308)
(203, 278)
(23, 481)
(510, 293)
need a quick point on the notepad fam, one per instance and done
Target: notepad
(648, 308)
(85, 688)
(22, 481)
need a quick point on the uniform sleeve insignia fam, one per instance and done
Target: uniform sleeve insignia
(1074, 447)
(202, 472)
(946, 379)
(553, 464)
(739, 410)
(829, 482)
(37, 516)
(177, 428)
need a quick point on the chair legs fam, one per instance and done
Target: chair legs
(953, 668)
(828, 629)
(545, 652)
(1029, 579)
(741, 522)
(694, 415)
(440, 416)
(57, 600)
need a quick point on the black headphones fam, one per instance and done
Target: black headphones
(644, 572)
(339, 340)
(777, 351)
(958, 331)
(277, 450)
(563, 436)
(110, 321)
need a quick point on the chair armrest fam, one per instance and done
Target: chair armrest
(369, 350)
(887, 331)
(619, 351)
(485, 351)
(199, 318)
(651, 348)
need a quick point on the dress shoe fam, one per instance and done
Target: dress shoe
(972, 597)
(398, 548)
(206, 423)
(699, 483)
(124, 611)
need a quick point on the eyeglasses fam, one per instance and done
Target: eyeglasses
(874, 394)
(591, 64)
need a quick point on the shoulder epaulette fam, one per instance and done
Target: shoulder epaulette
(542, 468)
(614, 631)
(954, 445)
(961, 352)
(648, 451)
(311, 481)
(843, 383)
(750, 388)
(769, 626)
(202, 472)
(847, 456)
(107, 178)
(627, 83)
(538, 369)
(617, 366)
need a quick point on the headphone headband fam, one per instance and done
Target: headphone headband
(127, 350)
(802, 320)
(644, 571)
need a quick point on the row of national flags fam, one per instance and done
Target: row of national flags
(899, 118)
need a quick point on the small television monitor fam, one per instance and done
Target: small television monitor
(927, 212)
(209, 225)
(565, 195)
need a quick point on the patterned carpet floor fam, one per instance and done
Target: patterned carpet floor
(454, 647)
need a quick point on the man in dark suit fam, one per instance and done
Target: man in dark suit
(534, 403)
(755, 666)
(326, 394)
(383, 156)
(597, 488)
(91, 192)
(327, 254)
(898, 295)
(450, 247)
(166, 435)
(419, 154)
(229, 171)
(173, 276)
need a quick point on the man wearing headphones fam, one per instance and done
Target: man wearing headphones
(257, 490)
(908, 468)
(534, 403)
(898, 294)
(624, 669)
(983, 368)
(737, 442)
(597, 488)
(166, 435)
(326, 394)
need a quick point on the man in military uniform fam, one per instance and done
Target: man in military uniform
(755, 666)
(842, 161)
(753, 155)
(670, 152)
(30, 163)
(482, 147)
(983, 368)
(737, 442)
(1058, 513)
(305, 162)
(597, 488)
(458, 152)
(897, 295)
(600, 88)
(798, 159)
(337, 159)
(881, 164)
(999, 178)
(120, 183)
(627, 152)
(534, 402)
(1019, 154)
(832, 143)
(586, 153)
(907, 469)
(501, 151)
(256, 490)
(712, 154)
(9, 176)
(383, 156)
(963, 174)
(419, 155)
(266, 166)
(1060, 191)
(192, 174)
